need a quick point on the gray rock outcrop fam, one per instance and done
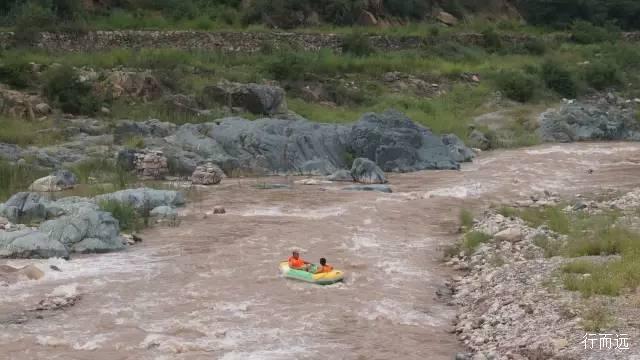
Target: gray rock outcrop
(459, 151)
(255, 98)
(85, 230)
(24, 207)
(603, 119)
(144, 198)
(397, 144)
(29, 243)
(365, 171)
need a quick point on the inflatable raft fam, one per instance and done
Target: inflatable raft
(320, 279)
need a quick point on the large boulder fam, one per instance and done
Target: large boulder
(20, 105)
(397, 144)
(598, 120)
(207, 174)
(366, 171)
(144, 199)
(29, 243)
(255, 98)
(25, 207)
(85, 230)
(459, 151)
(57, 181)
(341, 175)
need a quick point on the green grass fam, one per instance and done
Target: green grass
(466, 218)
(595, 318)
(551, 216)
(129, 218)
(472, 240)
(15, 178)
(29, 132)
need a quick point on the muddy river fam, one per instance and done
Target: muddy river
(210, 288)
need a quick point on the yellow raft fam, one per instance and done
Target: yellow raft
(320, 279)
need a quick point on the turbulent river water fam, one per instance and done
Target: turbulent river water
(210, 288)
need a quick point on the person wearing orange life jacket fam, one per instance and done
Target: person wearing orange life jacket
(324, 268)
(295, 262)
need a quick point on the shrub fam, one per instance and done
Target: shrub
(491, 39)
(516, 85)
(73, 96)
(18, 75)
(584, 32)
(289, 65)
(602, 74)
(534, 46)
(415, 9)
(559, 79)
(466, 219)
(358, 44)
(31, 18)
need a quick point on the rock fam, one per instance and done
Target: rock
(24, 207)
(366, 171)
(17, 104)
(61, 297)
(137, 85)
(311, 182)
(208, 174)
(446, 18)
(367, 19)
(373, 187)
(28, 243)
(579, 206)
(341, 175)
(511, 235)
(164, 212)
(594, 120)
(85, 230)
(396, 144)
(478, 140)
(219, 210)
(255, 98)
(58, 181)
(30, 272)
(185, 104)
(144, 198)
(317, 167)
(105, 110)
(43, 108)
(266, 186)
(3, 222)
(457, 148)
(126, 129)
(150, 164)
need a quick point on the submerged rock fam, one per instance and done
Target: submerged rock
(144, 198)
(373, 187)
(341, 175)
(366, 171)
(208, 174)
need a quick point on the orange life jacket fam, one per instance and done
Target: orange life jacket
(296, 263)
(326, 269)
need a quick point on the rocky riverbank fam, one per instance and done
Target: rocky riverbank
(512, 288)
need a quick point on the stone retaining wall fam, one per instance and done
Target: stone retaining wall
(242, 42)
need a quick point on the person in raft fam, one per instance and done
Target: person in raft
(324, 268)
(295, 262)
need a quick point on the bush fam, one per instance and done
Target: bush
(584, 32)
(491, 39)
(73, 96)
(602, 74)
(559, 79)
(466, 219)
(289, 65)
(18, 75)
(534, 46)
(358, 44)
(415, 9)
(517, 85)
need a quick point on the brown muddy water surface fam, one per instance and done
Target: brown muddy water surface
(210, 288)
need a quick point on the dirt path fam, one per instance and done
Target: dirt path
(210, 289)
